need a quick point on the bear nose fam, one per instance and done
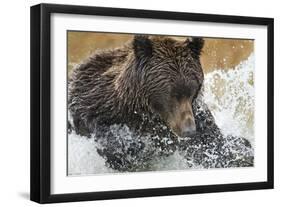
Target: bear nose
(188, 127)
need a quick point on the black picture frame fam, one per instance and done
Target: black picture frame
(41, 95)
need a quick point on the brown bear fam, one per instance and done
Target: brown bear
(150, 75)
(140, 100)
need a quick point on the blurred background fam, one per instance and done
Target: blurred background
(217, 53)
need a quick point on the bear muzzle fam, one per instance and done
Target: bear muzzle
(182, 120)
(188, 127)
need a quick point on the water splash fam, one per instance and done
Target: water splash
(229, 95)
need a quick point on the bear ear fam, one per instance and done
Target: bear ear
(195, 44)
(142, 46)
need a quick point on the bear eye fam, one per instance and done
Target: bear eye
(185, 90)
(181, 93)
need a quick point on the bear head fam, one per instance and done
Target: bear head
(170, 76)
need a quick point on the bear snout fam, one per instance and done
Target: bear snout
(188, 127)
(182, 120)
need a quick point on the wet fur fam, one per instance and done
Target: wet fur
(122, 87)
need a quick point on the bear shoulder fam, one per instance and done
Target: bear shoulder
(100, 62)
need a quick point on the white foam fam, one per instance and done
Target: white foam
(83, 158)
(230, 97)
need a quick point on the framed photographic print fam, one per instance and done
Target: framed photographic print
(132, 103)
